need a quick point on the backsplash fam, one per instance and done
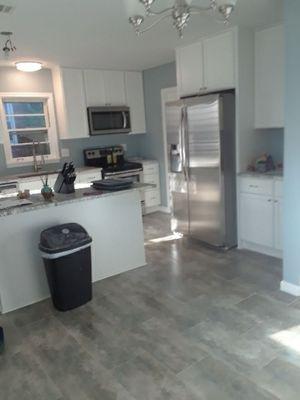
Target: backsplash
(133, 144)
(270, 141)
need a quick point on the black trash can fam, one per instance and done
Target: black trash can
(66, 251)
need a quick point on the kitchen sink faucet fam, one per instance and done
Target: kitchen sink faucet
(36, 165)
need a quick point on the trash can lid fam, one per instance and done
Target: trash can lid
(64, 237)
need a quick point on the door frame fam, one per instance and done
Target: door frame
(167, 95)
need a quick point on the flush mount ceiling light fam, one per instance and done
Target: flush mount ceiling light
(181, 13)
(28, 66)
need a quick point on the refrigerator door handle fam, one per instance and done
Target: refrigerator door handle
(183, 144)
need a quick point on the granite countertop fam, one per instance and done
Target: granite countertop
(62, 199)
(31, 177)
(256, 174)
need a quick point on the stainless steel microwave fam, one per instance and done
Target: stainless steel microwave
(108, 120)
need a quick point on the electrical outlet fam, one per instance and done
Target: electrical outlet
(65, 153)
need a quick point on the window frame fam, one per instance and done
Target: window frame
(51, 128)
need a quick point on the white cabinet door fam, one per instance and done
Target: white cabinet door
(189, 63)
(135, 100)
(269, 78)
(257, 219)
(219, 61)
(278, 229)
(94, 87)
(114, 82)
(75, 105)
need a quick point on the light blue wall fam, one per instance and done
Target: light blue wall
(292, 144)
(156, 79)
(12, 80)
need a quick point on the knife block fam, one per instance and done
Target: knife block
(61, 186)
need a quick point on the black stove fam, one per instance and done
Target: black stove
(111, 160)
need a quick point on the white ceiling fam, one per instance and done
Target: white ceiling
(96, 33)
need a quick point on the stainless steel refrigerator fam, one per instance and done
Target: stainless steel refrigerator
(202, 168)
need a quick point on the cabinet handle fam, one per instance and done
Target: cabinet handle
(253, 186)
(270, 200)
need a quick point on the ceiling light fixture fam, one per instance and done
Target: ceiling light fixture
(181, 12)
(28, 66)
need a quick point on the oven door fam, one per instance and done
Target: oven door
(109, 120)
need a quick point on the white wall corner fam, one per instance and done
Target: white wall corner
(290, 288)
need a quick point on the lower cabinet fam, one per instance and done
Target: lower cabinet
(260, 215)
(152, 196)
(278, 223)
(257, 225)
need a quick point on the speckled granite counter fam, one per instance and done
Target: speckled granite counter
(80, 195)
(254, 174)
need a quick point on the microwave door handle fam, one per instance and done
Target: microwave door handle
(125, 120)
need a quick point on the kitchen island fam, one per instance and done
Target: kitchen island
(113, 220)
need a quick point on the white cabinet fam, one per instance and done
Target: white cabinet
(151, 176)
(135, 100)
(190, 69)
(114, 82)
(207, 65)
(219, 61)
(94, 87)
(256, 214)
(260, 214)
(70, 103)
(104, 88)
(269, 78)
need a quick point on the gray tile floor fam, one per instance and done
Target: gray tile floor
(192, 324)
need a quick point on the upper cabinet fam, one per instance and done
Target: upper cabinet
(75, 90)
(207, 66)
(269, 78)
(135, 100)
(219, 61)
(190, 69)
(94, 87)
(104, 88)
(70, 103)
(114, 82)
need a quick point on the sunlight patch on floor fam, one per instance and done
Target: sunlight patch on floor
(174, 236)
(289, 338)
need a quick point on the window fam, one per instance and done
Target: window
(29, 127)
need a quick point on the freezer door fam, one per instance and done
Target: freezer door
(206, 209)
(177, 176)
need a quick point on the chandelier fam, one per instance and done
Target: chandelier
(180, 13)
(8, 47)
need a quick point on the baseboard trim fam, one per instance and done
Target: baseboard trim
(150, 210)
(165, 209)
(259, 249)
(290, 288)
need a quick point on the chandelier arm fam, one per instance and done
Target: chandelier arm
(154, 24)
(152, 13)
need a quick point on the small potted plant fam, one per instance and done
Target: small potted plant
(46, 191)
